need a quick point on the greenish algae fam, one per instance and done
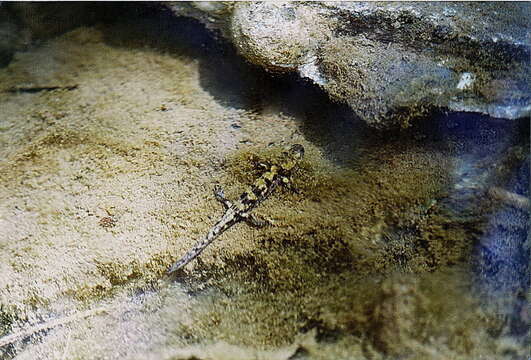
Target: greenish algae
(336, 249)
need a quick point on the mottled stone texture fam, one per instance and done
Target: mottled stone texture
(388, 61)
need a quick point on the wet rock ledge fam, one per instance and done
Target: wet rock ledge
(388, 61)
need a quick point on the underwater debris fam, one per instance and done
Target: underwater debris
(35, 89)
(107, 222)
(509, 198)
(25, 333)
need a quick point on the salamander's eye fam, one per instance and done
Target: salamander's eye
(261, 166)
(297, 151)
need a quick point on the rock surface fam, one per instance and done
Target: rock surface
(388, 61)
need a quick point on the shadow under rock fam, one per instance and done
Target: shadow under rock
(225, 75)
(235, 83)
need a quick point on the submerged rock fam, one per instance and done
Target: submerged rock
(46, 20)
(12, 37)
(388, 61)
(24, 23)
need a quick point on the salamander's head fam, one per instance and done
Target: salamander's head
(292, 157)
(296, 152)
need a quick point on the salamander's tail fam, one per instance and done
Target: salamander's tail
(191, 254)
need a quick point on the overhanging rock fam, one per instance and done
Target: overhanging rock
(388, 61)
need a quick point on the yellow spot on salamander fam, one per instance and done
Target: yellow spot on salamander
(289, 165)
(251, 196)
(269, 175)
(260, 183)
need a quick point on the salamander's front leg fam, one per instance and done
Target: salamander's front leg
(220, 196)
(287, 182)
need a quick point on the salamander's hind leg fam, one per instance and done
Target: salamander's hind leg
(255, 221)
(220, 196)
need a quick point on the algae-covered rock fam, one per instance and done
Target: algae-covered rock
(389, 61)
